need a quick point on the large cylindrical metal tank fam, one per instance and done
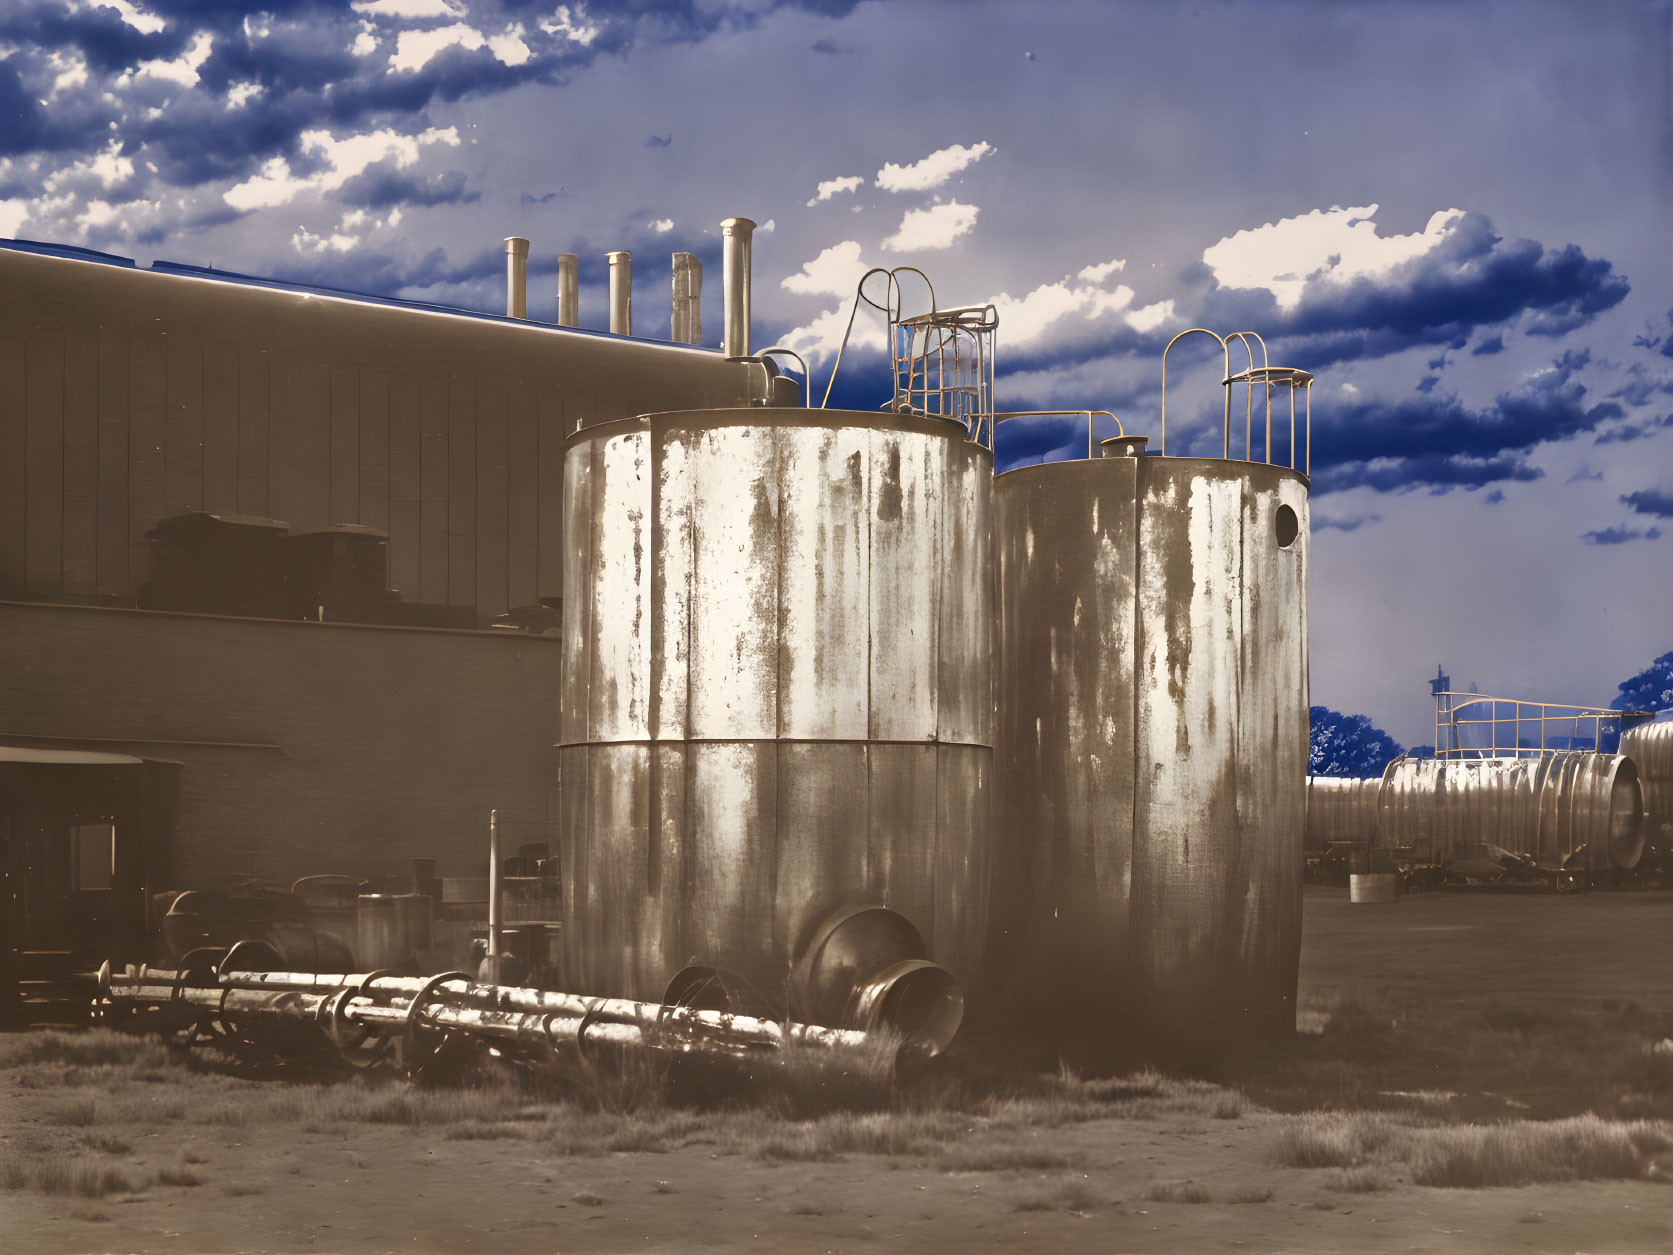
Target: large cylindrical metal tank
(1548, 807)
(1152, 748)
(1650, 746)
(1341, 808)
(778, 693)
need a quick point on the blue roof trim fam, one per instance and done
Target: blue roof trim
(183, 270)
(318, 289)
(71, 251)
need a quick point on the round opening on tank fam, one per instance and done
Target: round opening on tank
(1289, 527)
(916, 999)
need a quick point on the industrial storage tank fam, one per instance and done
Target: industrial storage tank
(1650, 746)
(1152, 748)
(778, 695)
(1551, 807)
(1341, 808)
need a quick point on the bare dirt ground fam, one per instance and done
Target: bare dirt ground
(1436, 1100)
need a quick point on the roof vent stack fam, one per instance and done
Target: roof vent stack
(569, 291)
(516, 277)
(734, 282)
(685, 323)
(621, 292)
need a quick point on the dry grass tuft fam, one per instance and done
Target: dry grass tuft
(1178, 1192)
(911, 1133)
(1249, 1194)
(70, 1175)
(1073, 1196)
(587, 1199)
(483, 1133)
(1584, 1148)
(1003, 1157)
(99, 1047)
(182, 1177)
(1336, 1140)
(1366, 1180)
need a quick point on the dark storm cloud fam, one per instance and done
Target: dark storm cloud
(1472, 279)
(383, 185)
(660, 141)
(1625, 432)
(1619, 535)
(1344, 523)
(1492, 344)
(1436, 442)
(1641, 388)
(1651, 501)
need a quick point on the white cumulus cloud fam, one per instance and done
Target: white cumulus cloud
(1024, 320)
(407, 8)
(572, 24)
(415, 48)
(1151, 316)
(346, 157)
(662, 226)
(833, 273)
(935, 227)
(933, 170)
(1103, 270)
(834, 187)
(1330, 245)
(184, 68)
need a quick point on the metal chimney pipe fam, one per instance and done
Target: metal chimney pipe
(621, 292)
(569, 290)
(516, 277)
(685, 324)
(494, 920)
(734, 282)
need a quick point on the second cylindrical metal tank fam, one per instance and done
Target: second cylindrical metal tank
(778, 696)
(1153, 747)
(1550, 807)
(1650, 746)
(1341, 808)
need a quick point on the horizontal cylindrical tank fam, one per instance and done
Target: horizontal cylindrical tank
(778, 690)
(1549, 807)
(1341, 808)
(1650, 746)
(1152, 748)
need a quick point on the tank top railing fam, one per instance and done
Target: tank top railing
(1477, 725)
(1267, 377)
(1091, 416)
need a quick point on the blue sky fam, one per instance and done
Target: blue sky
(1454, 214)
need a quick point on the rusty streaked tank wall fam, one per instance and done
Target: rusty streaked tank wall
(778, 690)
(1341, 808)
(1549, 807)
(130, 395)
(1650, 747)
(305, 747)
(1152, 747)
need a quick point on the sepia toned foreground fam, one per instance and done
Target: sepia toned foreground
(1463, 1081)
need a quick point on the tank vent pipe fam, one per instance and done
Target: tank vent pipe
(494, 919)
(516, 277)
(621, 292)
(569, 290)
(734, 282)
(686, 321)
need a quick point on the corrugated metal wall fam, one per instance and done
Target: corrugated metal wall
(129, 395)
(307, 747)
(1650, 746)
(1341, 808)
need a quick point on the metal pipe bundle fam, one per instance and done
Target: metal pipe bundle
(359, 1013)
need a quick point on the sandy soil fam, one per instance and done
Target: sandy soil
(316, 1184)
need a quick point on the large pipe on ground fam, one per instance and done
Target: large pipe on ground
(516, 277)
(686, 318)
(621, 292)
(734, 282)
(569, 290)
(359, 1010)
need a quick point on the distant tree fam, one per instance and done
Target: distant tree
(1347, 745)
(1650, 689)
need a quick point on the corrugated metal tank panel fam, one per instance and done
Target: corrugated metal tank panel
(1650, 746)
(128, 395)
(1549, 807)
(1153, 741)
(1341, 808)
(307, 747)
(778, 689)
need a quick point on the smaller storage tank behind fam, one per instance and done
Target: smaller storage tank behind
(1548, 807)
(1650, 746)
(1341, 808)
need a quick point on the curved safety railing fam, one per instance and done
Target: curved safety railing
(1265, 376)
(1477, 725)
(1091, 416)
